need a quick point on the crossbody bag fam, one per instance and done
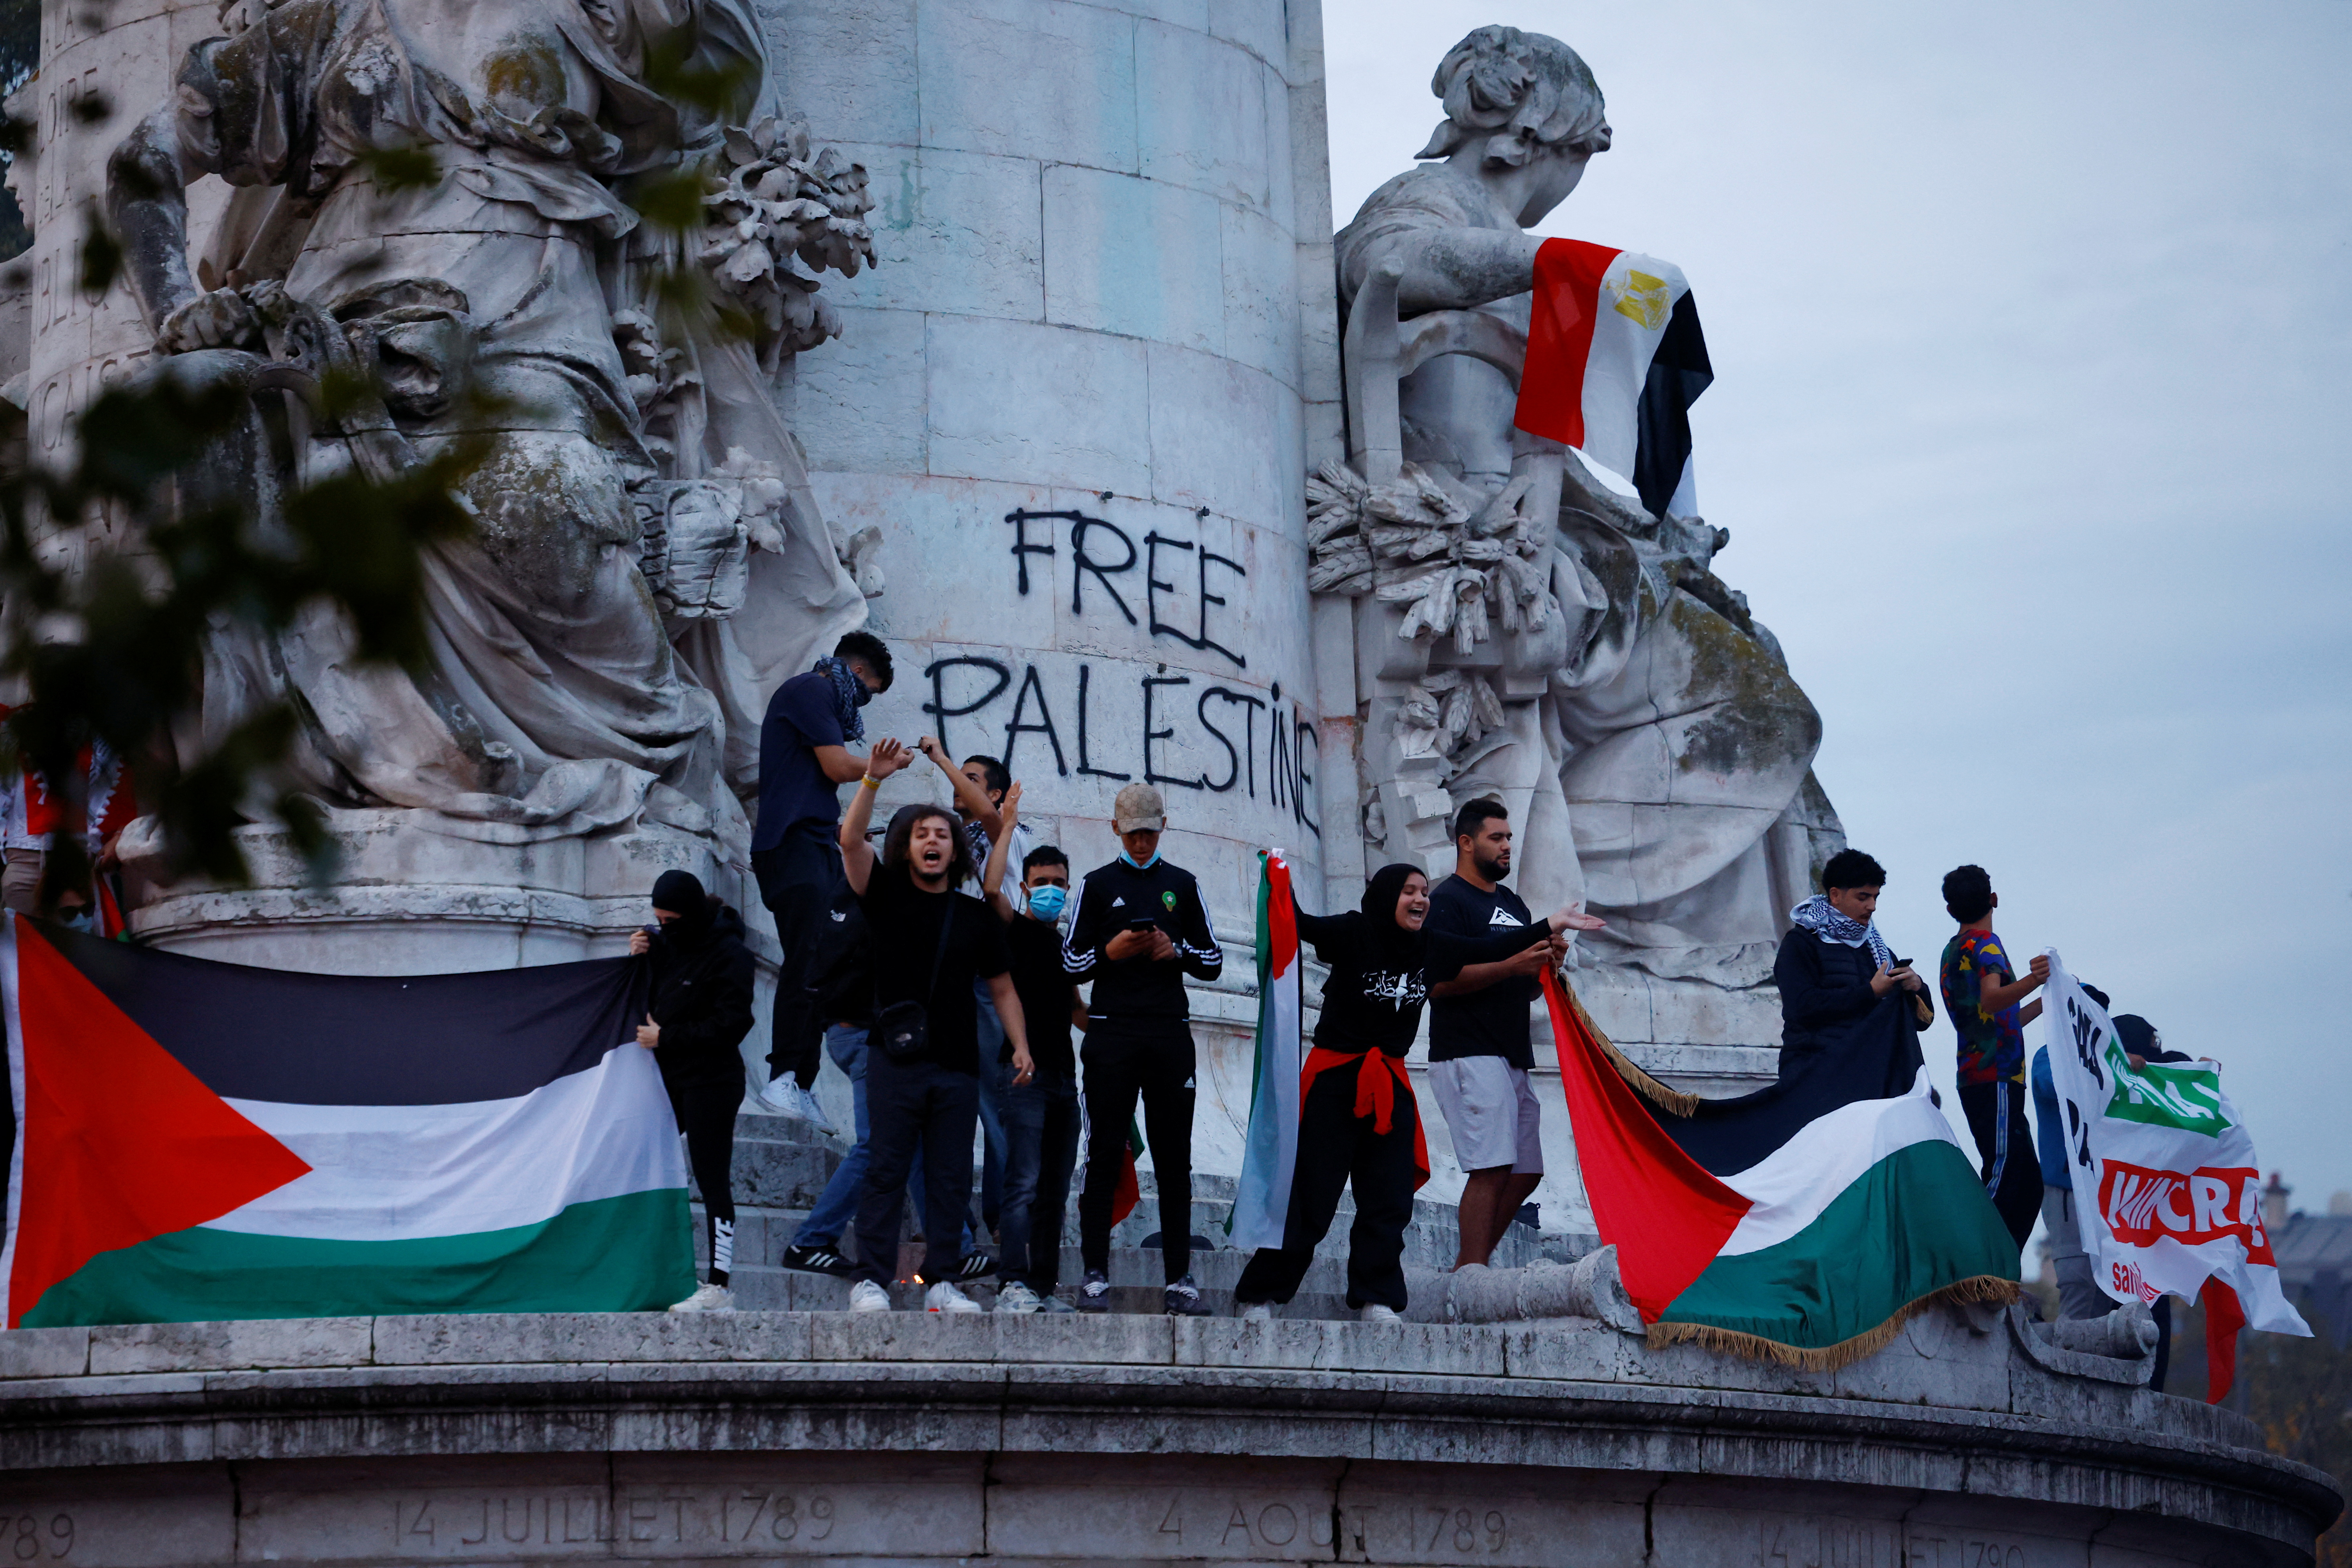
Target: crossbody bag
(904, 1029)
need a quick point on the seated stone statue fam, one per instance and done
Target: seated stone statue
(482, 303)
(1668, 761)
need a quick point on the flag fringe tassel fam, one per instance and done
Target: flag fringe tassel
(1673, 1102)
(1984, 1288)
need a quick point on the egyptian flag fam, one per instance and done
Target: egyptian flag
(204, 1141)
(1804, 1221)
(1615, 359)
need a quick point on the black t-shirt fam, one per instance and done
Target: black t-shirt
(1492, 1022)
(1045, 986)
(793, 790)
(903, 923)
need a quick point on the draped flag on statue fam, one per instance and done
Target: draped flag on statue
(2166, 1182)
(1806, 1221)
(1615, 359)
(204, 1141)
(1262, 1201)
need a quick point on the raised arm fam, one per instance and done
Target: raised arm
(1000, 849)
(856, 854)
(968, 795)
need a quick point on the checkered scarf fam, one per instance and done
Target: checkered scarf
(1817, 915)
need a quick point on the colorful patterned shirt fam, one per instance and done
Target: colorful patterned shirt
(1992, 1045)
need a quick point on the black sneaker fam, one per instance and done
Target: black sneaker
(1183, 1300)
(1094, 1296)
(818, 1257)
(974, 1265)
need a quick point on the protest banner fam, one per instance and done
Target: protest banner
(2166, 1182)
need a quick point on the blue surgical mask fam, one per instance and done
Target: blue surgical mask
(1144, 866)
(1046, 902)
(76, 918)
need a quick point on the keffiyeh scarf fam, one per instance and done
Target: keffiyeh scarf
(1817, 915)
(849, 694)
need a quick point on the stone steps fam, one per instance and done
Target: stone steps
(782, 1165)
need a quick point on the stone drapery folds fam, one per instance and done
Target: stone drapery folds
(647, 557)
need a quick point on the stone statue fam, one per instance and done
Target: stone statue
(647, 559)
(1534, 635)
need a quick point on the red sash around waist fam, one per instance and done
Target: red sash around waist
(1376, 1091)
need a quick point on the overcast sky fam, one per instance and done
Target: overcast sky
(2030, 333)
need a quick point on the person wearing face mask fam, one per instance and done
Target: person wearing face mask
(697, 1010)
(1041, 1116)
(804, 759)
(1139, 928)
(1358, 1123)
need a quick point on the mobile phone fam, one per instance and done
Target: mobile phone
(1143, 922)
(1900, 963)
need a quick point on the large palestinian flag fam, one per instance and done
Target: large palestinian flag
(1270, 1148)
(1615, 359)
(203, 1141)
(1804, 1221)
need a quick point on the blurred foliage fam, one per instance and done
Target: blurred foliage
(2300, 1392)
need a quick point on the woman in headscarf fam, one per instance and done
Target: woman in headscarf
(1357, 1120)
(698, 1008)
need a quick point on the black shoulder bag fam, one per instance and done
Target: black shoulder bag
(903, 1029)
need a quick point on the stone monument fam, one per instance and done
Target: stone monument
(1078, 258)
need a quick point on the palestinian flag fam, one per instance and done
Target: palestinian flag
(204, 1141)
(1804, 1221)
(1270, 1150)
(1615, 359)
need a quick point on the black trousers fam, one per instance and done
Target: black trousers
(1337, 1149)
(798, 879)
(2011, 1169)
(1123, 1058)
(910, 1106)
(705, 1108)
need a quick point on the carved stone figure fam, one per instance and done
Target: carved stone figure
(648, 559)
(1533, 634)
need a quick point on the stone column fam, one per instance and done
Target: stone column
(1077, 396)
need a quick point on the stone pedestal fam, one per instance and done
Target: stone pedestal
(408, 899)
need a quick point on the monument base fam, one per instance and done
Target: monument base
(409, 896)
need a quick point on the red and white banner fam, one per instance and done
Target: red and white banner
(2166, 1182)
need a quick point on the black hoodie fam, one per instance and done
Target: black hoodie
(701, 997)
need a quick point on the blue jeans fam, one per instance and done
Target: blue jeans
(836, 1206)
(992, 1106)
(1041, 1126)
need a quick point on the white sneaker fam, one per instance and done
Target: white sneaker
(1376, 1313)
(944, 1297)
(784, 1097)
(867, 1296)
(1015, 1296)
(707, 1298)
(1258, 1312)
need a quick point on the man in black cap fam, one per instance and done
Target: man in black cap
(698, 1008)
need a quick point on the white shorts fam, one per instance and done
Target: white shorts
(1490, 1108)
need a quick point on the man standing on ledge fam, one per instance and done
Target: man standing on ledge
(1479, 1047)
(1139, 929)
(804, 759)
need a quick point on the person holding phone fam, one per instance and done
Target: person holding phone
(1835, 968)
(1140, 926)
(931, 943)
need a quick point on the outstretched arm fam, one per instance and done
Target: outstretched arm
(1459, 268)
(968, 795)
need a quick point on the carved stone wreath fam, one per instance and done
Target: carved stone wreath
(1414, 543)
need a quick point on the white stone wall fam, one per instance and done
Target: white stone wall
(1085, 367)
